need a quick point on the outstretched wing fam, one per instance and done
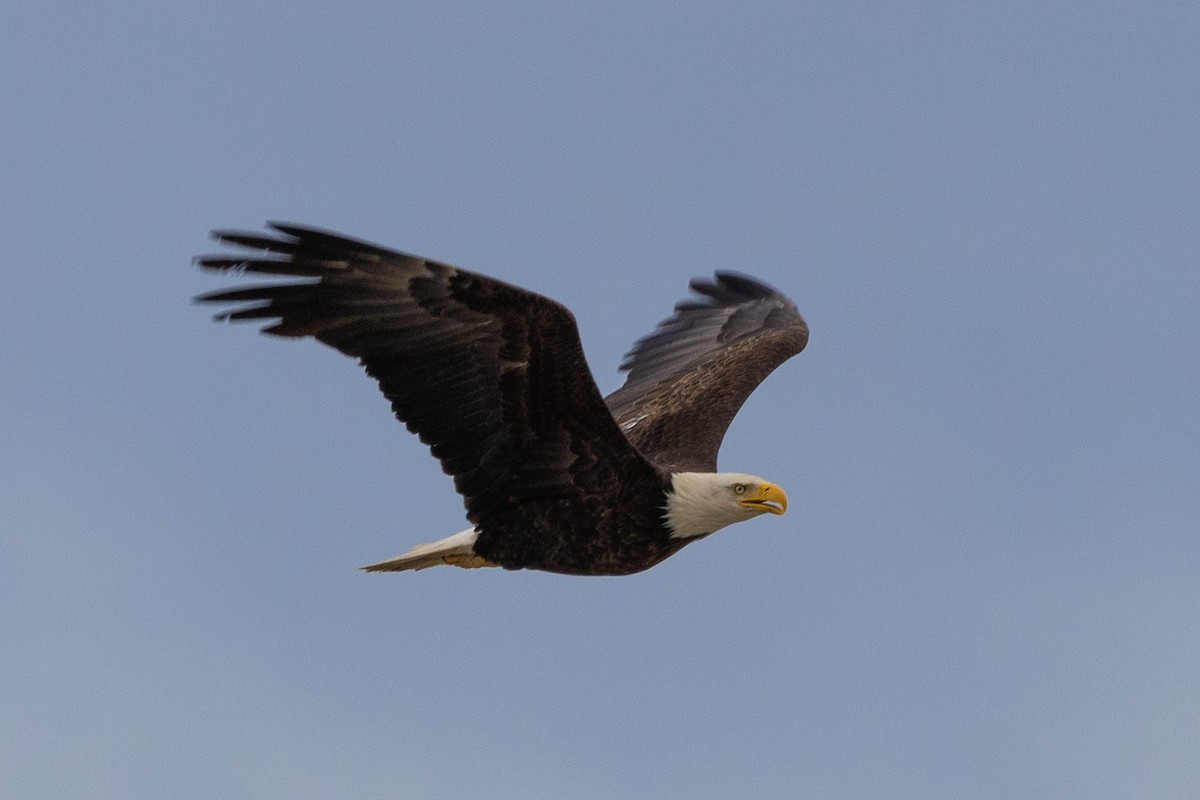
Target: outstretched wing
(490, 376)
(690, 376)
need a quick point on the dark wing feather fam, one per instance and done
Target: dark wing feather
(690, 376)
(490, 376)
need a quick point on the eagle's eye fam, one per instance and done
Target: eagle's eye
(739, 488)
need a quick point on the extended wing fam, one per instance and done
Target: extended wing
(490, 376)
(690, 376)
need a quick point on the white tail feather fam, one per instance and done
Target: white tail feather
(457, 550)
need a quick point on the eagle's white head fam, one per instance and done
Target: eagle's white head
(702, 502)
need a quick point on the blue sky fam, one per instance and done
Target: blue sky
(986, 584)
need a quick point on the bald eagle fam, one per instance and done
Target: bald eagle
(493, 379)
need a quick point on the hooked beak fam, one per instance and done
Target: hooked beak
(769, 498)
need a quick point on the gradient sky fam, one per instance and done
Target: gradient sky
(987, 583)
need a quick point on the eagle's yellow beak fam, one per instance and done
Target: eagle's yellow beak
(765, 497)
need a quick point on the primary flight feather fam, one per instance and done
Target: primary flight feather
(493, 378)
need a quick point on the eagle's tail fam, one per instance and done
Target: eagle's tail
(457, 550)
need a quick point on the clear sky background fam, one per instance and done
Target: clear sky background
(986, 586)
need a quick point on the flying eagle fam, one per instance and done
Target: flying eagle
(493, 378)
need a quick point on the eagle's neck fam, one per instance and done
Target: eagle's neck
(698, 503)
